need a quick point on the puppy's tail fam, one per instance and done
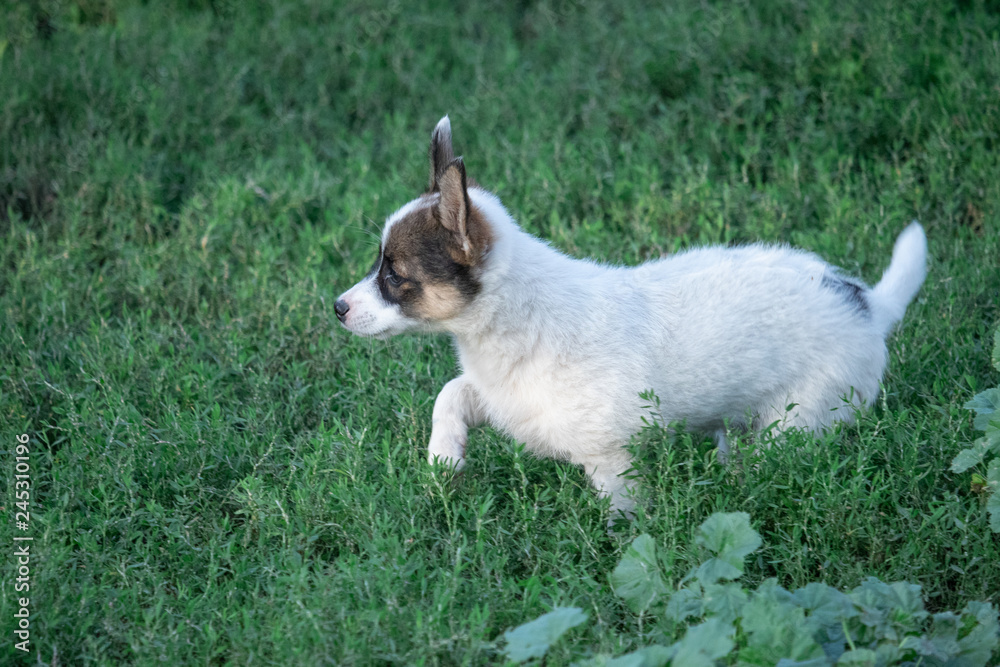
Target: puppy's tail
(902, 280)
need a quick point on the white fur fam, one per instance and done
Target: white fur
(555, 351)
(370, 314)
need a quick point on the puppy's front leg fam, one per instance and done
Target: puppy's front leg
(457, 408)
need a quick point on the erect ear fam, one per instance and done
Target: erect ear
(441, 152)
(453, 210)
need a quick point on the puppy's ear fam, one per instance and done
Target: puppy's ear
(453, 211)
(441, 152)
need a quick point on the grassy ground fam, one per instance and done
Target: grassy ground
(222, 475)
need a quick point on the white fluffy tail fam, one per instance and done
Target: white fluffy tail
(902, 280)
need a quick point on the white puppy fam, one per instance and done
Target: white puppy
(555, 351)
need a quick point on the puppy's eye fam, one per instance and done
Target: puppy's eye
(393, 278)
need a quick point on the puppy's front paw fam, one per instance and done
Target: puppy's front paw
(447, 451)
(452, 463)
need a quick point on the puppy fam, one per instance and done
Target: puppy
(555, 350)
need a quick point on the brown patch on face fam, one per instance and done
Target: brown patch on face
(429, 269)
(439, 301)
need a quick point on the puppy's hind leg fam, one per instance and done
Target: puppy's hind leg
(456, 409)
(724, 438)
(607, 476)
(722, 446)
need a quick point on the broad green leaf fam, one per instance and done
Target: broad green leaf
(985, 404)
(943, 637)
(655, 656)
(861, 657)
(993, 507)
(729, 535)
(978, 644)
(825, 605)
(940, 649)
(714, 569)
(970, 457)
(815, 662)
(724, 601)
(891, 610)
(777, 628)
(609, 661)
(906, 598)
(730, 539)
(888, 654)
(703, 644)
(771, 591)
(637, 578)
(923, 646)
(992, 436)
(533, 639)
(828, 610)
(650, 656)
(684, 604)
(993, 474)
(993, 503)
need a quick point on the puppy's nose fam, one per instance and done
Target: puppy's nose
(341, 308)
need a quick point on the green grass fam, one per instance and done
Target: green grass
(223, 475)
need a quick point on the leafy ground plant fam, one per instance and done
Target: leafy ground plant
(986, 404)
(874, 625)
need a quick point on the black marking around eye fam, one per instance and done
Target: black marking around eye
(405, 292)
(852, 292)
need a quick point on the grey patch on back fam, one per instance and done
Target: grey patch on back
(852, 292)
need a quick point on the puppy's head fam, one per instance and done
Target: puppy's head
(430, 258)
